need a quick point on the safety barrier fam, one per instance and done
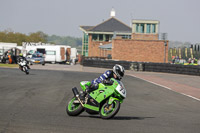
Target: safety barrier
(143, 66)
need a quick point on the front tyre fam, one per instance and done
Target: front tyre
(74, 109)
(25, 70)
(109, 111)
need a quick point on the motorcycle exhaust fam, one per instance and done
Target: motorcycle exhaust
(76, 94)
(75, 91)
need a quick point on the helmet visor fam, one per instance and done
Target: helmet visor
(121, 73)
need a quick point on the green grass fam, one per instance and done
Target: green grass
(8, 65)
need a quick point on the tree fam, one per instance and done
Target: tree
(37, 37)
(12, 37)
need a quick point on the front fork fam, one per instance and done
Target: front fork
(76, 94)
(112, 99)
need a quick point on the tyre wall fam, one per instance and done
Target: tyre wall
(143, 66)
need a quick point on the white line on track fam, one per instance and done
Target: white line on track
(165, 87)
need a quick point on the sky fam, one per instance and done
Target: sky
(180, 19)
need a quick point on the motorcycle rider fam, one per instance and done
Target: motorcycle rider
(21, 59)
(117, 73)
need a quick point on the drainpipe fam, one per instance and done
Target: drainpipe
(165, 44)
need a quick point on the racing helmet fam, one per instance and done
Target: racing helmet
(118, 71)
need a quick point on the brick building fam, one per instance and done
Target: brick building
(112, 38)
(96, 36)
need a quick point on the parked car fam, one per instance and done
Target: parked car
(37, 58)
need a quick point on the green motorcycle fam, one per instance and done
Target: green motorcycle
(105, 100)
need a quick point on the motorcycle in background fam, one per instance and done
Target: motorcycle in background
(23, 66)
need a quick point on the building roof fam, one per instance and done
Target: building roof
(86, 27)
(110, 25)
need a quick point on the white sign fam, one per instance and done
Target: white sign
(24, 44)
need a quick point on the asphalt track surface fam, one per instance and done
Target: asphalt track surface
(36, 103)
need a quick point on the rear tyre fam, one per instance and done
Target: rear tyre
(109, 111)
(74, 109)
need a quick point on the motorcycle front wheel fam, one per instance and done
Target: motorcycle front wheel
(109, 111)
(74, 109)
(26, 70)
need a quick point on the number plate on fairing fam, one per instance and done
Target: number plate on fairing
(121, 89)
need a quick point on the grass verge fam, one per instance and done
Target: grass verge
(8, 65)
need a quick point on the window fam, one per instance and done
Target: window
(50, 52)
(94, 37)
(110, 37)
(141, 28)
(85, 38)
(107, 38)
(126, 36)
(145, 28)
(148, 28)
(86, 54)
(100, 37)
(153, 28)
(30, 52)
(86, 47)
(137, 28)
(85, 44)
(37, 55)
(86, 50)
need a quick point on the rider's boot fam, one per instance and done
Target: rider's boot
(20, 67)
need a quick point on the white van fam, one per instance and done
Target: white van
(52, 53)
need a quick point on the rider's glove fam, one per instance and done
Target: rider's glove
(107, 82)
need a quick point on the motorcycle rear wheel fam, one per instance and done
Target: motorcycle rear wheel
(109, 111)
(74, 109)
